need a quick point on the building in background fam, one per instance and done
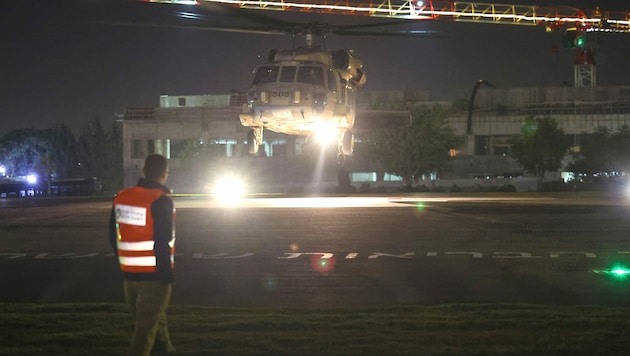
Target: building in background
(183, 125)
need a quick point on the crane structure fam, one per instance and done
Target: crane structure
(575, 23)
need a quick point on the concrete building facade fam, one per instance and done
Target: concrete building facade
(211, 122)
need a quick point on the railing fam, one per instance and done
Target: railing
(596, 20)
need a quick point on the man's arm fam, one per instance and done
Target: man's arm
(113, 234)
(162, 211)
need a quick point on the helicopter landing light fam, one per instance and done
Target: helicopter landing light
(325, 134)
(229, 190)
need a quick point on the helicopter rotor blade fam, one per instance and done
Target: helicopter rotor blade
(209, 16)
(359, 30)
(415, 34)
(251, 15)
(221, 28)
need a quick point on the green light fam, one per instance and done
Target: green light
(572, 37)
(620, 271)
(530, 127)
(320, 264)
(616, 271)
(580, 41)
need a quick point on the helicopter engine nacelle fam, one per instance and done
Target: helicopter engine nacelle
(350, 67)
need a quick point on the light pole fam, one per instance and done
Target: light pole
(470, 138)
(471, 103)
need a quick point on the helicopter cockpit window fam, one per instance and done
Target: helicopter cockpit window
(267, 74)
(311, 75)
(332, 83)
(288, 74)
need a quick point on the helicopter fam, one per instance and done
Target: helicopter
(305, 90)
(310, 91)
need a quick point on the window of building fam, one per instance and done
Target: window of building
(373, 177)
(180, 147)
(138, 149)
(363, 176)
(224, 147)
(182, 101)
(278, 148)
(482, 143)
(391, 178)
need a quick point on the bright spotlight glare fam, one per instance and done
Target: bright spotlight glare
(31, 179)
(326, 134)
(617, 271)
(620, 271)
(229, 190)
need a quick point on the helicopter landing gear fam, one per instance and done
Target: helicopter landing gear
(344, 184)
(347, 143)
(346, 147)
(341, 159)
(254, 139)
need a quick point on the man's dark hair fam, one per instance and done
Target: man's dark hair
(154, 166)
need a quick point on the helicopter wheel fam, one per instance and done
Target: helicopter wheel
(344, 184)
(347, 143)
(341, 159)
(254, 140)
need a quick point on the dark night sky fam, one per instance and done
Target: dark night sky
(59, 65)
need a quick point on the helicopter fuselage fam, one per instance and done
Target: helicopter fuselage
(301, 106)
(302, 93)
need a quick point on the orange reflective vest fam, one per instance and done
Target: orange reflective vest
(135, 230)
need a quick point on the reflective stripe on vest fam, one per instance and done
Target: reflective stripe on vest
(134, 225)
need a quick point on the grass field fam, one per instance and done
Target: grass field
(105, 329)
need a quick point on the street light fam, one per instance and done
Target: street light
(471, 103)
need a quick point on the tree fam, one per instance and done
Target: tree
(540, 147)
(411, 152)
(28, 151)
(621, 149)
(603, 151)
(57, 153)
(64, 144)
(101, 154)
(596, 153)
(113, 171)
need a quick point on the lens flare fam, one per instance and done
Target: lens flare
(616, 271)
(326, 134)
(270, 283)
(229, 190)
(620, 271)
(322, 265)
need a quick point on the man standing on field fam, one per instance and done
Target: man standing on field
(142, 234)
